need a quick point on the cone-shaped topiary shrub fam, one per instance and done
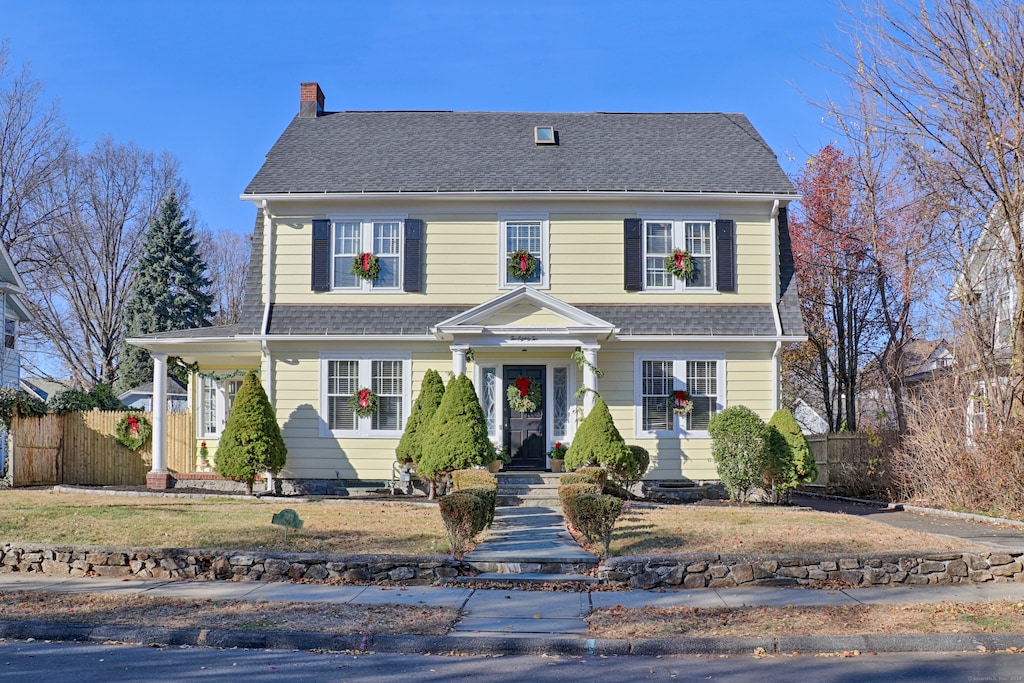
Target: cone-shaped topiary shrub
(251, 442)
(597, 441)
(800, 450)
(742, 449)
(410, 448)
(457, 438)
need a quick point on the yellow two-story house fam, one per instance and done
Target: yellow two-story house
(541, 248)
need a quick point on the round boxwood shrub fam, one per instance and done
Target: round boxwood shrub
(410, 447)
(251, 442)
(741, 447)
(596, 516)
(465, 515)
(598, 441)
(457, 438)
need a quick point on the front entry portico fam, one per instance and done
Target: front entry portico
(524, 434)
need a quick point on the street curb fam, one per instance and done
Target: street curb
(504, 645)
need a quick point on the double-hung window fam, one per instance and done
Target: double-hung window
(217, 397)
(658, 379)
(662, 237)
(380, 238)
(524, 235)
(344, 377)
(10, 332)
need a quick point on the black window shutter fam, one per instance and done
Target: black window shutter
(412, 274)
(321, 256)
(633, 254)
(725, 249)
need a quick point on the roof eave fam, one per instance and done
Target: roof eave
(602, 195)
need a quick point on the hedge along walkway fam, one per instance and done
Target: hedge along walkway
(530, 540)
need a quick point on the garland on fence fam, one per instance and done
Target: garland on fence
(522, 265)
(366, 266)
(523, 395)
(680, 264)
(680, 403)
(133, 431)
(363, 402)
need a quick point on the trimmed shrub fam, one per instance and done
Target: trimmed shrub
(613, 489)
(251, 442)
(410, 447)
(741, 447)
(799, 450)
(457, 438)
(631, 469)
(77, 400)
(465, 515)
(596, 516)
(470, 479)
(567, 495)
(597, 441)
(586, 475)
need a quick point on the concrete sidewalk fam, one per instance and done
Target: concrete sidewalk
(509, 621)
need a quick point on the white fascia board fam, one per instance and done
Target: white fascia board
(705, 338)
(490, 195)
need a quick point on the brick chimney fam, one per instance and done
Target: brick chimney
(311, 100)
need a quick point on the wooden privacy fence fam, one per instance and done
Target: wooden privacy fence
(854, 463)
(82, 449)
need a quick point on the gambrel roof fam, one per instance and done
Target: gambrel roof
(445, 151)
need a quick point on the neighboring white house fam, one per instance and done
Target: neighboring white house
(12, 289)
(141, 397)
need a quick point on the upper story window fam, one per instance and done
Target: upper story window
(10, 332)
(529, 235)
(662, 237)
(382, 239)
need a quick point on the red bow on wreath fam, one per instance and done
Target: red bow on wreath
(366, 260)
(680, 399)
(523, 384)
(133, 424)
(681, 261)
(523, 265)
(364, 398)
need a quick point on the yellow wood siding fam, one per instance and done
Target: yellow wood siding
(462, 262)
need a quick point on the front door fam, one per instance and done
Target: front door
(524, 432)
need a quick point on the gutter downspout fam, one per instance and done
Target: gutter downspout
(268, 242)
(776, 370)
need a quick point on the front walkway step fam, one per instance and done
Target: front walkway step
(526, 578)
(531, 489)
(530, 540)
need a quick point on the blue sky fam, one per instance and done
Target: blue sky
(215, 82)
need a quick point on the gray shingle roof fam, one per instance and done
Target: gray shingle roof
(420, 151)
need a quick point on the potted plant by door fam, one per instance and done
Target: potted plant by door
(504, 458)
(557, 456)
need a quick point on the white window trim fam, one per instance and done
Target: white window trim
(679, 242)
(366, 245)
(1001, 322)
(364, 424)
(679, 376)
(220, 406)
(14, 345)
(504, 282)
(549, 417)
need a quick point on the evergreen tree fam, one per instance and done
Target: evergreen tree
(410, 448)
(799, 450)
(170, 292)
(251, 442)
(457, 438)
(598, 442)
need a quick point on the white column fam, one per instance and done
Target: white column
(159, 413)
(589, 378)
(458, 360)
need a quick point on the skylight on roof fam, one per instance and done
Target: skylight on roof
(544, 135)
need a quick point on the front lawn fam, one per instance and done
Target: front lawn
(330, 526)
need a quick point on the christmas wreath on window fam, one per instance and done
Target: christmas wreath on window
(366, 266)
(523, 395)
(680, 402)
(363, 402)
(522, 265)
(680, 264)
(133, 431)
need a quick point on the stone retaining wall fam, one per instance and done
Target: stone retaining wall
(183, 563)
(724, 571)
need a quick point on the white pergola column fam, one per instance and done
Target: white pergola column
(458, 359)
(589, 378)
(158, 477)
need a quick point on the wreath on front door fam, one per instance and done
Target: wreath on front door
(680, 403)
(680, 264)
(133, 431)
(363, 402)
(523, 395)
(522, 265)
(366, 266)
